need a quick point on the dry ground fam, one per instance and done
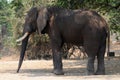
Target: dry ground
(42, 70)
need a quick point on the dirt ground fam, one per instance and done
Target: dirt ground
(42, 70)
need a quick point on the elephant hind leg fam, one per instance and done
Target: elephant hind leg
(100, 58)
(90, 65)
(91, 50)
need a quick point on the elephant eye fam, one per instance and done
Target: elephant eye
(27, 19)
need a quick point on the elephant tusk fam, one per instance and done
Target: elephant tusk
(23, 37)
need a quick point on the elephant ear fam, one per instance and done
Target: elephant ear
(42, 19)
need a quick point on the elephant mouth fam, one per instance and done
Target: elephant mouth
(23, 37)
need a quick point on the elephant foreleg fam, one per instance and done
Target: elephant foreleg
(57, 56)
(57, 62)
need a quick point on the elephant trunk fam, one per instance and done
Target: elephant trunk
(23, 49)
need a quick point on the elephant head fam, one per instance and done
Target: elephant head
(36, 20)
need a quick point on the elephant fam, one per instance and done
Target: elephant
(81, 27)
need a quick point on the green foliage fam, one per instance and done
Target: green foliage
(5, 19)
(5, 11)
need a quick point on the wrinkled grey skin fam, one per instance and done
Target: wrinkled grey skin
(80, 27)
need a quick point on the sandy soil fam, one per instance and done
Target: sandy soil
(42, 70)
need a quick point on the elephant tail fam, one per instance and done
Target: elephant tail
(108, 44)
